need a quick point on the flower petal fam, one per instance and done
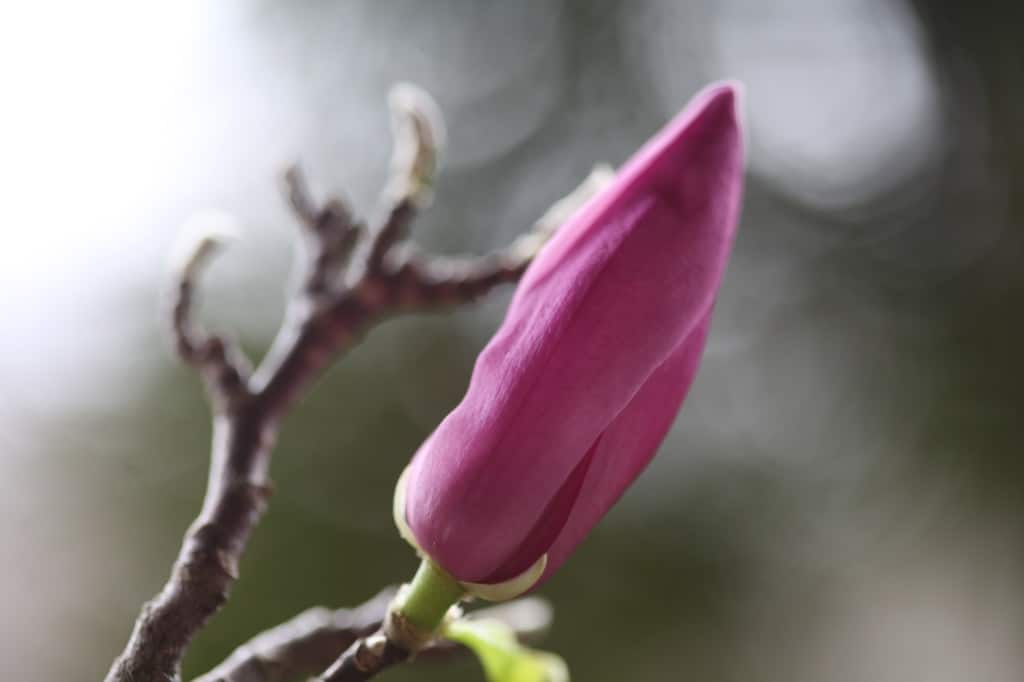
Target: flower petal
(630, 443)
(605, 304)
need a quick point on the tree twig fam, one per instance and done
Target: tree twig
(365, 659)
(353, 279)
(308, 643)
(223, 367)
(301, 647)
(369, 655)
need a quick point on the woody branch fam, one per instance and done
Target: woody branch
(309, 642)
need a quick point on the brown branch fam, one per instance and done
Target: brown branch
(303, 646)
(308, 643)
(325, 317)
(311, 641)
(366, 658)
(331, 234)
(221, 364)
(283, 656)
(434, 280)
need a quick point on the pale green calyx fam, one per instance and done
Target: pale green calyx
(511, 588)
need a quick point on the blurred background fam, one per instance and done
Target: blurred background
(841, 498)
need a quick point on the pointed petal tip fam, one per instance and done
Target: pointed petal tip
(716, 107)
(713, 115)
(728, 90)
(722, 100)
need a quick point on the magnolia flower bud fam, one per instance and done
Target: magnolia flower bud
(578, 388)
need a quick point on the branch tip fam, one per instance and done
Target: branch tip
(298, 196)
(200, 238)
(419, 136)
(559, 213)
(224, 367)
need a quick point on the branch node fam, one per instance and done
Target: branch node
(393, 231)
(330, 233)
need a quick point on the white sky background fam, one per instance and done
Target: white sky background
(121, 118)
(96, 125)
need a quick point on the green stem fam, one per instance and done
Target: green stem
(431, 593)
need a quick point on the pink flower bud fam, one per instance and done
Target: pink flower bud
(577, 389)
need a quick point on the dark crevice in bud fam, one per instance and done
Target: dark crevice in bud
(550, 523)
